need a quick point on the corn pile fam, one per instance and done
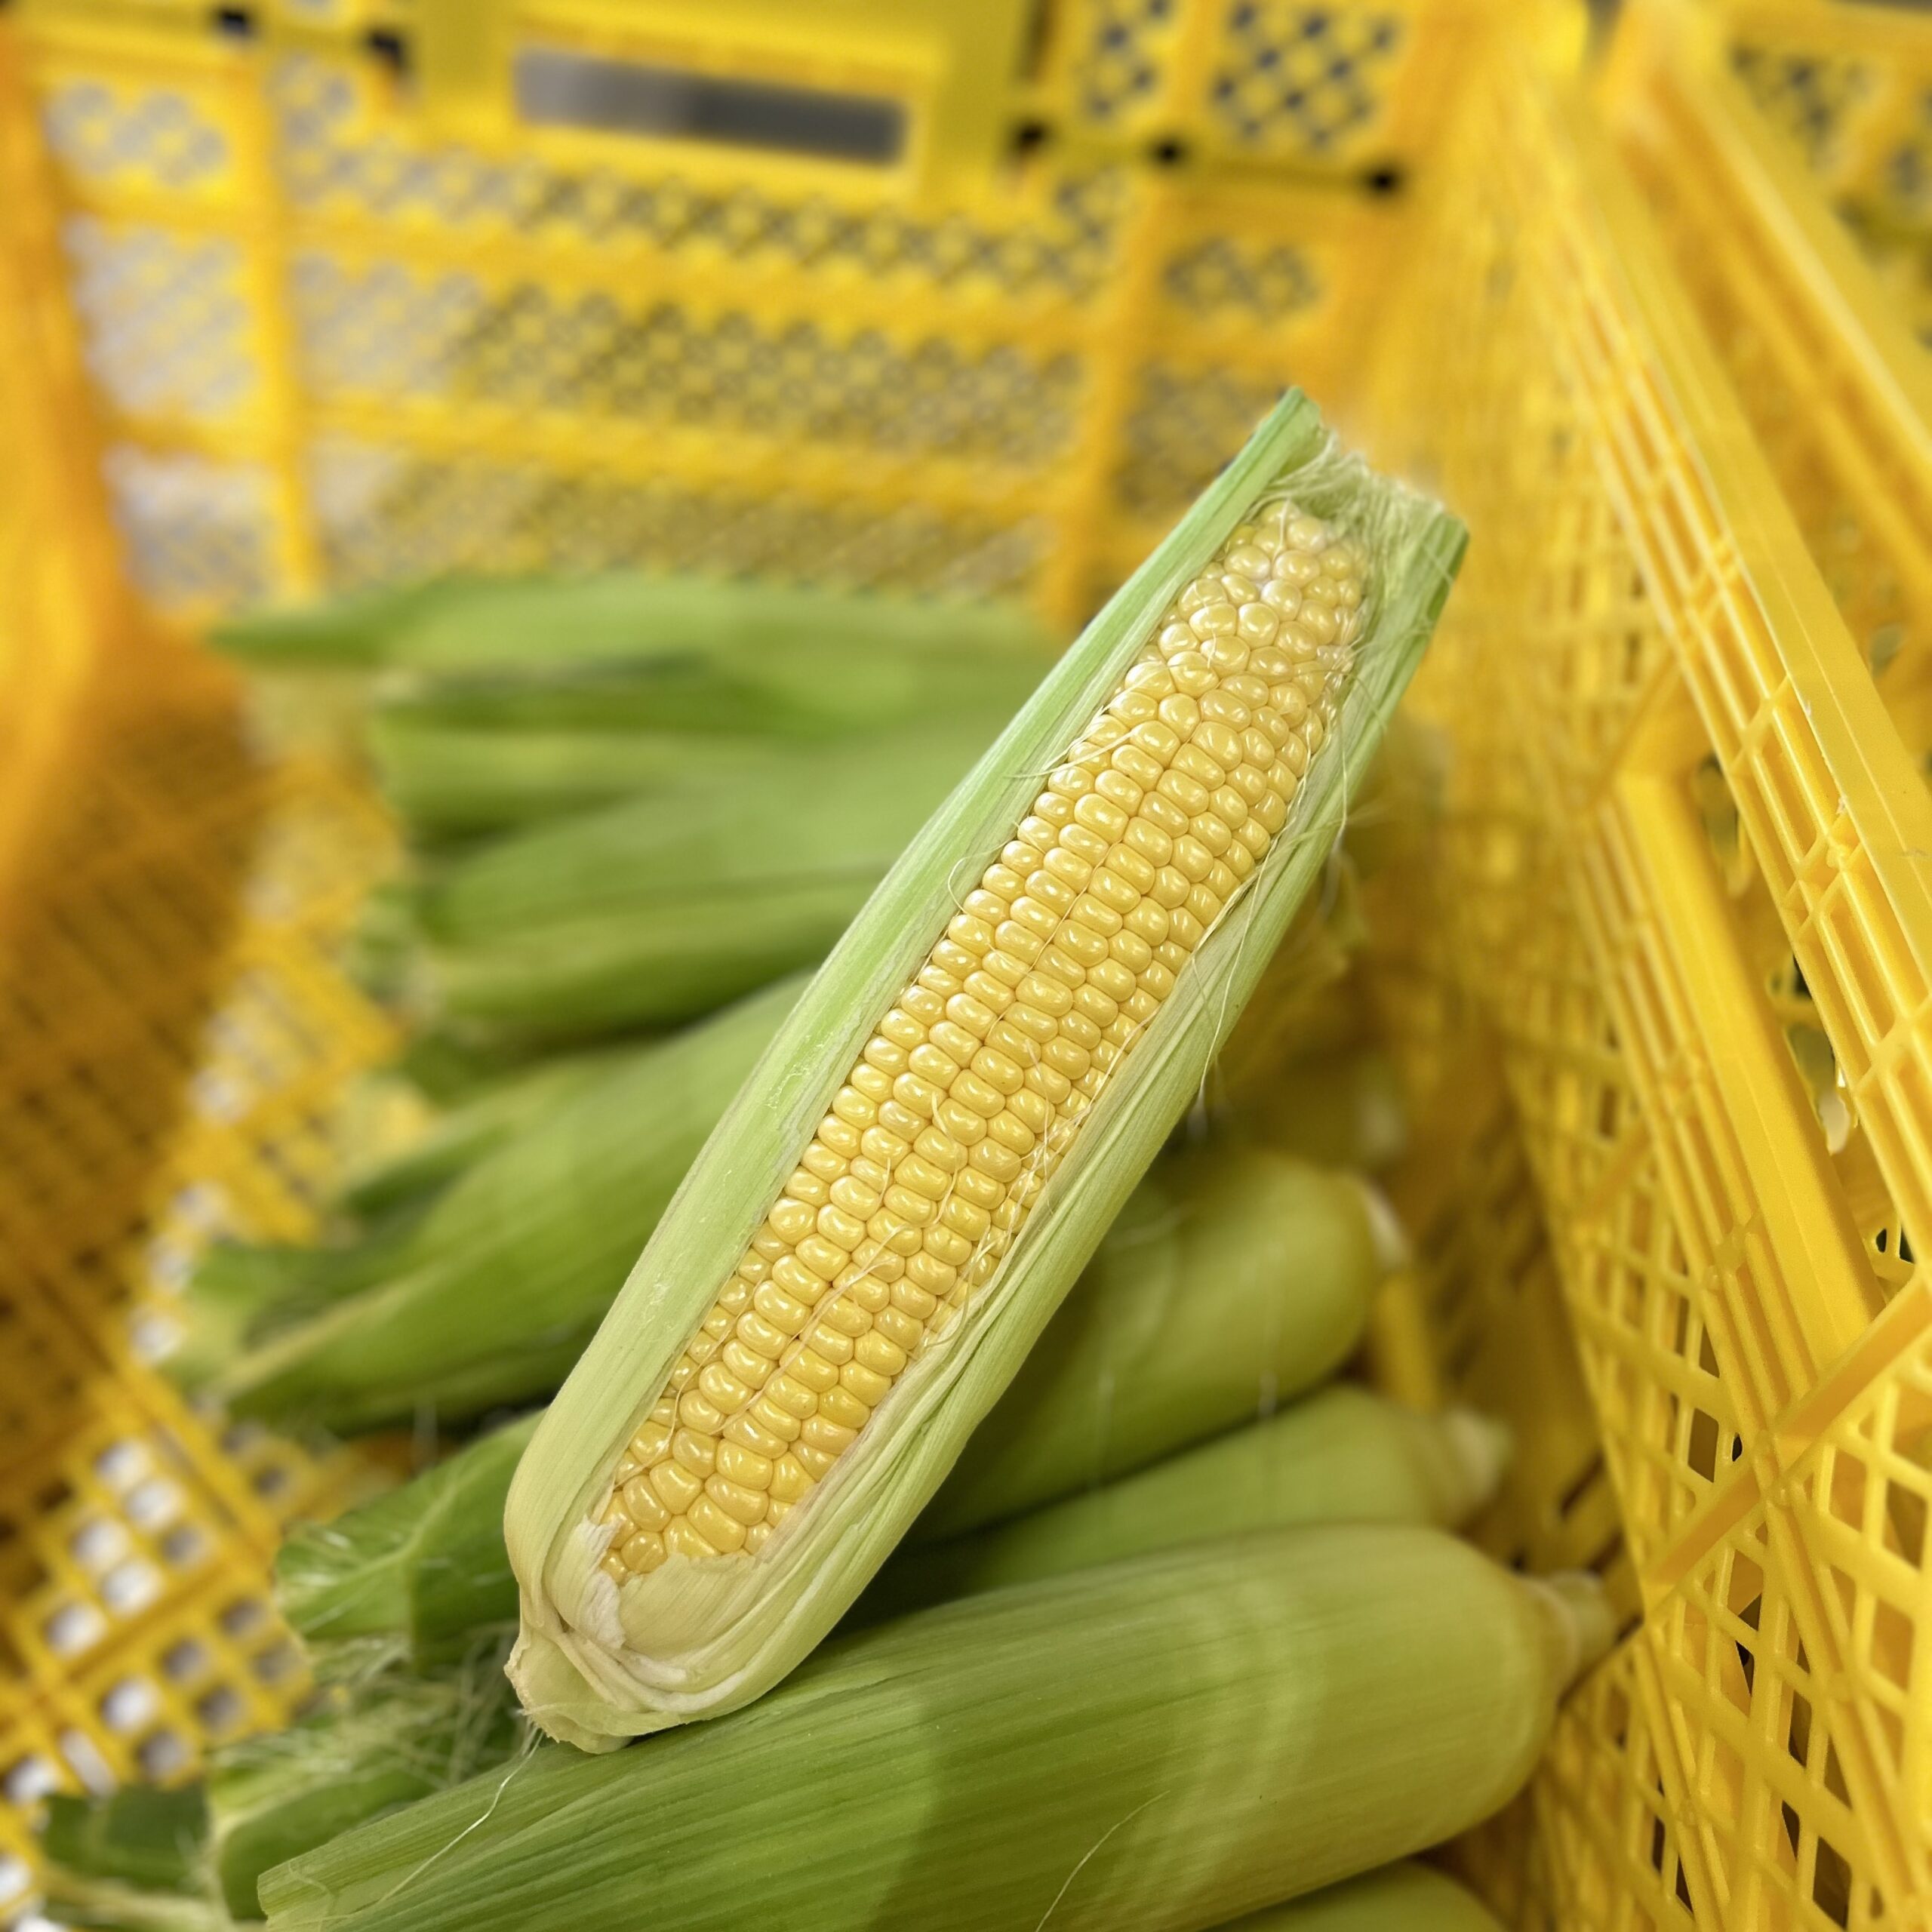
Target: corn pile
(972, 1405)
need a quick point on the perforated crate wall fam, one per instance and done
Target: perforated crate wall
(1838, 390)
(1851, 88)
(177, 1028)
(336, 331)
(1680, 880)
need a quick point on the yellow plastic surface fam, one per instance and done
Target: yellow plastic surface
(1681, 882)
(175, 1027)
(335, 335)
(1846, 86)
(288, 299)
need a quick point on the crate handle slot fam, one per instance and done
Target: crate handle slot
(558, 87)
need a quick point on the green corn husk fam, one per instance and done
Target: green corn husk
(448, 1140)
(1154, 1746)
(654, 911)
(467, 625)
(1305, 1002)
(422, 1569)
(189, 1860)
(692, 1639)
(241, 1293)
(450, 779)
(478, 753)
(690, 652)
(1233, 1280)
(498, 1285)
(1343, 1109)
(425, 1564)
(1341, 1456)
(1400, 1898)
(1401, 797)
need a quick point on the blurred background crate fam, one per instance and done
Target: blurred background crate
(303, 297)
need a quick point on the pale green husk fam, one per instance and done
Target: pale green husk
(487, 1299)
(1340, 1456)
(694, 1639)
(1401, 1898)
(1232, 1280)
(1154, 1746)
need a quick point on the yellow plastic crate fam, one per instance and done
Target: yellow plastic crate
(1846, 86)
(301, 304)
(1681, 882)
(290, 297)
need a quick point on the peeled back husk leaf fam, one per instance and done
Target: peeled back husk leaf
(599, 1661)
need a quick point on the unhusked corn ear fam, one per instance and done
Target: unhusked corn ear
(421, 1568)
(1404, 1897)
(487, 1300)
(680, 626)
(1340, 1456)
(1230, 1723)
(657, 908)
(1346, 1109)
(1232, 1281)
(461, 754)
(1015, 1021)
(189, 1860)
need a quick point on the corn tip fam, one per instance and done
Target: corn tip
(1390, 1239)
(1481, 1447)
(1583, 1614)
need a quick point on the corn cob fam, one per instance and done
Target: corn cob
(1044, 1032)
(1400, 1898)
(1342, 1455)
(654, 911)
(188, 1859)
(1249, 1719)
(488, 1298)
(425, 1563)
(1232, 1281)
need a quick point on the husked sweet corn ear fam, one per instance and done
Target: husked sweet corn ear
(976, 1082)
(963, 1098)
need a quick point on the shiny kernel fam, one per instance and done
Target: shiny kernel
(742, 1505)
(642, 1553)
(789, 1481)
(723, 1534)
